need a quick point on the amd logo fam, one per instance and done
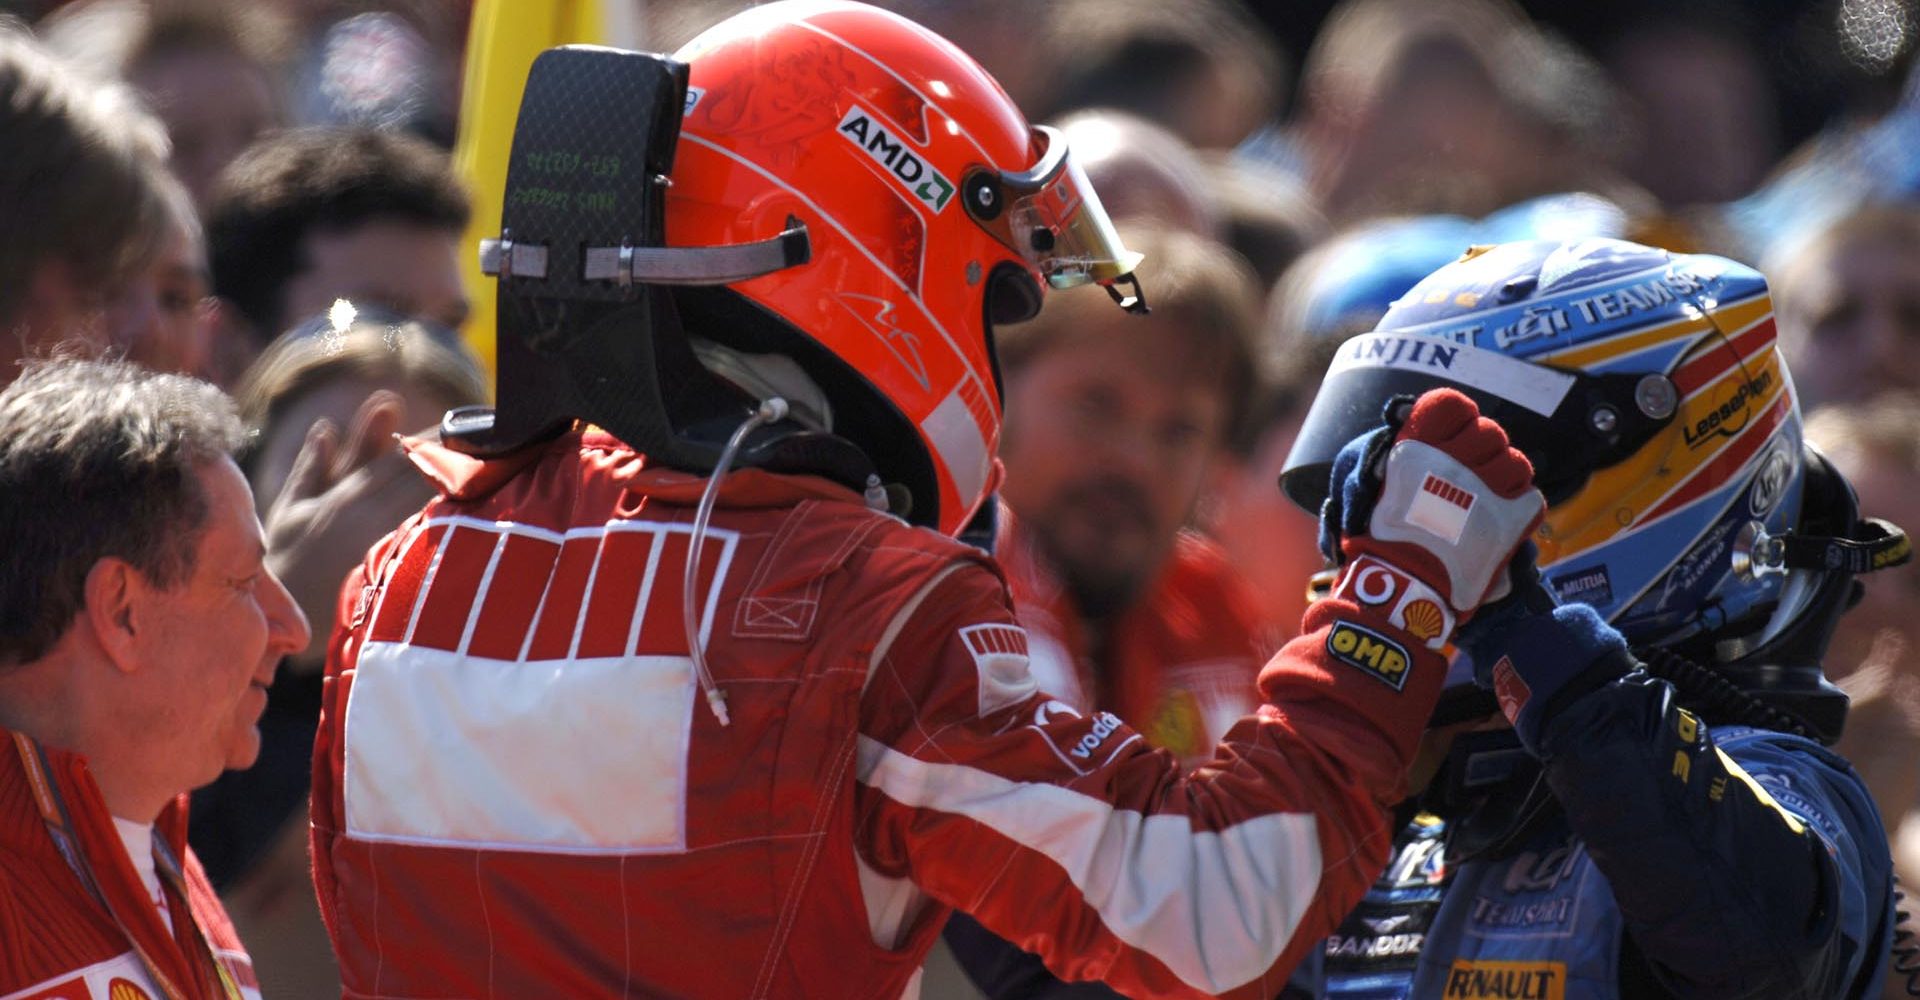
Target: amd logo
(893, 153)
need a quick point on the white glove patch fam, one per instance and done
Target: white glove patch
(1432, 501)
(1441, 507)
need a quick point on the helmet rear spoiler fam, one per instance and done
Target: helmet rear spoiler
(587, 327)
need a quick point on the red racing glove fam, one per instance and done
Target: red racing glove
(1425, 513)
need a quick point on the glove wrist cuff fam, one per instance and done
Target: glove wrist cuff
(1537, 660)
(1396, 594)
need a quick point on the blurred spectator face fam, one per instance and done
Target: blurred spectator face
(1109, 437)
(408, 267)
(308, 216)
(1850, 312)
(210, 70)
(1456, 106)
(1703, 92)
(1881, 628)
(1439, 130)
(328, 495)
(162, 319)
(214, 102)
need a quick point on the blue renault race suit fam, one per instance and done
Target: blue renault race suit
(1684, 861)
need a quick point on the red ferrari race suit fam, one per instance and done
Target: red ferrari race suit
(1178, 663)
(519, 791)
(76, 922)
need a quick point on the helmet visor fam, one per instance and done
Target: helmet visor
(1053, 217)
(1568, 424)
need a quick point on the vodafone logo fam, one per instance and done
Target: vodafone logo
(1051, 710)
(1373, 583)
(1409, 604)
(1067, 731)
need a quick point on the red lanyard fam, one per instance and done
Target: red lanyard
(53, 810)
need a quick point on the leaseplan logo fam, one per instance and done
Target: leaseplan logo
(893, 153)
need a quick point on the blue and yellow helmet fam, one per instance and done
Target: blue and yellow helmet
(1646, 388)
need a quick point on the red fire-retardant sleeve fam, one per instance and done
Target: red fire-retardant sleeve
(1071, 837)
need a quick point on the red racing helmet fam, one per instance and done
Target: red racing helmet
(933, 210)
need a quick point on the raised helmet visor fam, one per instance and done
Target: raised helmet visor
(1051, 216)
(1566, 423)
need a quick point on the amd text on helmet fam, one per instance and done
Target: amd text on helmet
(784, 185)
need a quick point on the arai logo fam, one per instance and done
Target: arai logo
(891, 152)
(1771, 482)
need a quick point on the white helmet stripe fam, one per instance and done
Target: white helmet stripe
(1535, 387)
(957, 442)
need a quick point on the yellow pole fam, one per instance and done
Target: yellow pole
(505, 37)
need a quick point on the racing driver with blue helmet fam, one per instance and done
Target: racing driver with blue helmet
(1638, 799)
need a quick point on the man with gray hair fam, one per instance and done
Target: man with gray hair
(139, 631)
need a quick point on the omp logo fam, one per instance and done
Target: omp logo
(1370, 651)
(890, 151)
(1506, 981)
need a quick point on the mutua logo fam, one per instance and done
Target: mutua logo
(893, 153)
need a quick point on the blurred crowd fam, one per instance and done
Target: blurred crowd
(260, 193)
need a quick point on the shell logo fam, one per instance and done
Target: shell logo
(1424, 620)
(122, 989)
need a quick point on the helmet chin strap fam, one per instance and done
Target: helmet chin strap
(1881, 546)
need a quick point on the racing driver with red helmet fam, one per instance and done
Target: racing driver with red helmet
(684, 684)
